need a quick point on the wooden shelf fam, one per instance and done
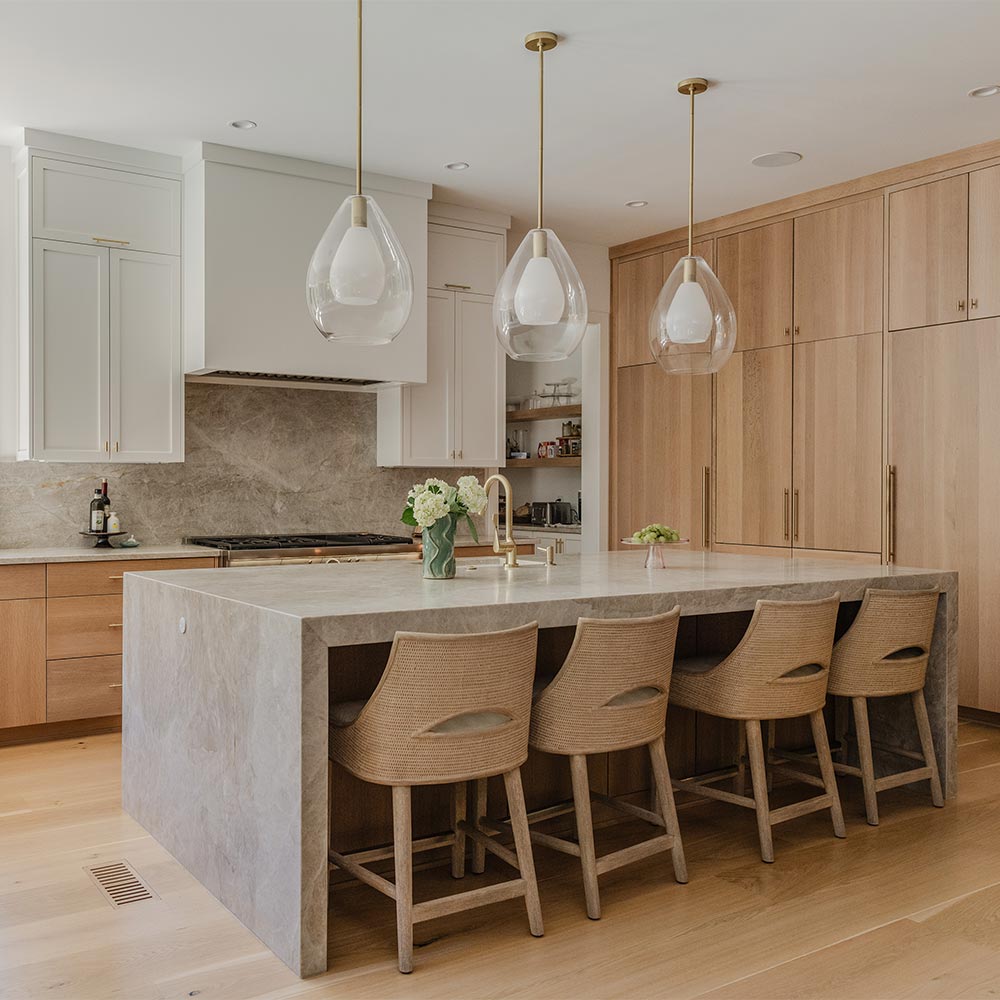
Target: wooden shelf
(539, 463)
(545, 413)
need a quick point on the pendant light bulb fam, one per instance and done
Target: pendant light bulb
(359, 286)
(540, 306)
(692, 328)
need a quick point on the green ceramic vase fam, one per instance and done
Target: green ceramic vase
(439, 548)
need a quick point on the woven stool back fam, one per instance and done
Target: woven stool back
(611, 692)
(885, 651)
(411, 730)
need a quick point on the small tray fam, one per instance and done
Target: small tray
(654, 554)
(103, 537)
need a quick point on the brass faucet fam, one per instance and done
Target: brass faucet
(508, 546)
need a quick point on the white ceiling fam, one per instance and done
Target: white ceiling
(854, 86)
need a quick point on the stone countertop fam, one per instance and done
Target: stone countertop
(14, 557)
(392, 594)
(553, 529)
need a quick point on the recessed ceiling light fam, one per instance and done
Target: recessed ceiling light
(242, 123)
(991, 91)
(783, 158)
(636, 204)
(458, 165)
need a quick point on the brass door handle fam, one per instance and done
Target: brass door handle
(785, 513)
(961, 305)
(890, 530)
(113, 686)
(795, 515)
(457, 288)
(116, 625)
(706, 506)
(796, 330)
(119, 577)
(788, 331)
(973, 303)
(107, 239)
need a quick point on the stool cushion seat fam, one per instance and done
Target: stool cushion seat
(697, 664)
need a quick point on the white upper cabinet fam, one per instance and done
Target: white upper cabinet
(79, 203)
(457, 417)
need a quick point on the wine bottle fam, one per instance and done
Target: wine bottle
(106, 500)
(97, 511)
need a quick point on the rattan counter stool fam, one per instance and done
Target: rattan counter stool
(449, 709)
(883, 653)
(779, 670)
(610, 694)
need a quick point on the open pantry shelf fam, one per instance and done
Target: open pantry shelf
(539, 463)
(544, 413)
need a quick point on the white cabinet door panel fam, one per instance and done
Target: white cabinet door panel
(461, 260)
(99, 206)
(147, 388)
(428, 428)
(480, 366)
(70, 408)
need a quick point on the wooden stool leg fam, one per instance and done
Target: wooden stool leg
(927, 745)
(522, 844)
(585, 833)
(478, 851)
(758, 772)
(458, 805)
(740, 781)
(771, 731)
(860, 706)
(665, 794)
(402, 844)
(826, 767)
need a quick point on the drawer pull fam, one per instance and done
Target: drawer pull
(116, 624)
(107, 239)
(119, 577)
(459, 288)
(114, 686)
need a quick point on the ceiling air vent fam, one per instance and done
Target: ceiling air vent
(119, 883)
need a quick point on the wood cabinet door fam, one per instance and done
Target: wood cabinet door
(70, 353)
(755, 268)
(147, 382)
(838, 271)
(753, 448)
(837, 450)
(663, 447)
(929, 253)
(22, 662)
(428, 419)
(480, 380)
(944, 419)
(984, 243)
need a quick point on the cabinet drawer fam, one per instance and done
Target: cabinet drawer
(22, 662)
(103, 207)
(105, 577)
(84, 688)
(19, 582)
(83, 626)
(464, 261)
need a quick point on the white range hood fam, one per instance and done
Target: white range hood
(251, 223)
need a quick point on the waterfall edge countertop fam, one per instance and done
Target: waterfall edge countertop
(60, 554)
(227, 680)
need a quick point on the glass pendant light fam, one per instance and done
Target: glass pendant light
(359, 286)
(540, 307)
(692, 328)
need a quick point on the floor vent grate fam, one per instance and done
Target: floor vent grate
(119, 883)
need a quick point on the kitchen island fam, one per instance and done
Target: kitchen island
(228, 676)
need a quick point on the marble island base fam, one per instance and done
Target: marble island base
(228, 677)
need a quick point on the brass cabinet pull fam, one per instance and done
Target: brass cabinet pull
(113, 686)
(785, 513)
(107, 239)
(961, 305)
(115, 624)
(116, 447)
(107, 447)
(788, 331)
(973, 303)
(460, 454)
(796, 330)
(706, 519)
(119, 577)
(890, 531)
(795, 515)
(457, 288)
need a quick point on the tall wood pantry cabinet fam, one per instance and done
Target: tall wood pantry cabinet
(99, 331)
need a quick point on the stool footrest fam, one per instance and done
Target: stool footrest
(444, 905)
(798, 775)
(362, 874)
(628, 808)
(903, 778)
(802, 808)
(635, 852)
(706, 791)
(503, 853)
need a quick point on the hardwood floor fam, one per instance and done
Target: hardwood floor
(908, 909)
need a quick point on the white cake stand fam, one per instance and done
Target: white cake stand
(654, 553)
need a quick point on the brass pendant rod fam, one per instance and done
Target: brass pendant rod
(357, 181)
(541, 132)
(691, 178)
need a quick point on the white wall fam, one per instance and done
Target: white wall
(8, 312)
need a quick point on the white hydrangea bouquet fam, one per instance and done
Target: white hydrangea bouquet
(437, 508)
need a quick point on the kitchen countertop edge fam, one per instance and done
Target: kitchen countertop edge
(20, 557)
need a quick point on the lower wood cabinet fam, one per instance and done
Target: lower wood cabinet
(663, 452)
(753, 448)
(84, 688)
(837, 444)
(83, 626)
(944, 428)
(22, 662)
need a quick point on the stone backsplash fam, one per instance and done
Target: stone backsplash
(259, 460)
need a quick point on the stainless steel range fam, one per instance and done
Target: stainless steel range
(278, 550)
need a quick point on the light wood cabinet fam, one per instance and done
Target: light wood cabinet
(637, 286)
(838, 271)
(929, 253)
(83, 626)
(22, 662)
(84, 688)
(753, 448)
(944, 416)
(837, 444)
(22, 581)
(984, 243)
(105, 576)
(755, 268)
(663, 448)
